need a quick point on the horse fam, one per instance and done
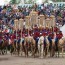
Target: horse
(57, 45)
(5, 44)
(61, 45)
(29, 45)
(43, 46)
(15, 46)
(52, 50)
(53, 47)
(22, 48)
(1, 49)
(12, 46)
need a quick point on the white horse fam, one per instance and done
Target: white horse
(41, 49)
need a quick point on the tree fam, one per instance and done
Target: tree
(15, 1)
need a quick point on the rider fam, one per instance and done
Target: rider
(50, 37)
(59, 35)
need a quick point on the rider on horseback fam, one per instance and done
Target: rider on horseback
(59, 35)
(50, 37)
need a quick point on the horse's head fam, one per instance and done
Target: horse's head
(62, 41)
(41, 40)
(47, 41)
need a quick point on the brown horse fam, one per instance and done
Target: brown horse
(1, 49)
(29, 45)
(12, 46)
(15, 47)
(5, 46)
(61, 45)
(52, 52)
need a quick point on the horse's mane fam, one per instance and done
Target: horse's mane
(47, 41)
(40, 40)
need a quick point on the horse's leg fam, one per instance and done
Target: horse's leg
(58, 52)
(42, 51)
(18, 49)
(16, 46)
(27, 51)
(24, 48)
(53, 51)
(47, 48)
(32, 50)
(39, 50)
(3, 49)
(50, 49)
(6, 49)
(45, 51)
(62, 51)
(21, 48)
(50, 53)
(12, 49)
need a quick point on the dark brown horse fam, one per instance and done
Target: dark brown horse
(4, 47)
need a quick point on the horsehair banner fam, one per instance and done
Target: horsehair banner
(47, 23)
(27, 21)
(52, 18)
(34, 18)
(16, 24)
(21, 23)
(42, 20)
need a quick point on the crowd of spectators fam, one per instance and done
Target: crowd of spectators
(10, 12)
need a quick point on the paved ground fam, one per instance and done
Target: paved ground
(15, 60)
